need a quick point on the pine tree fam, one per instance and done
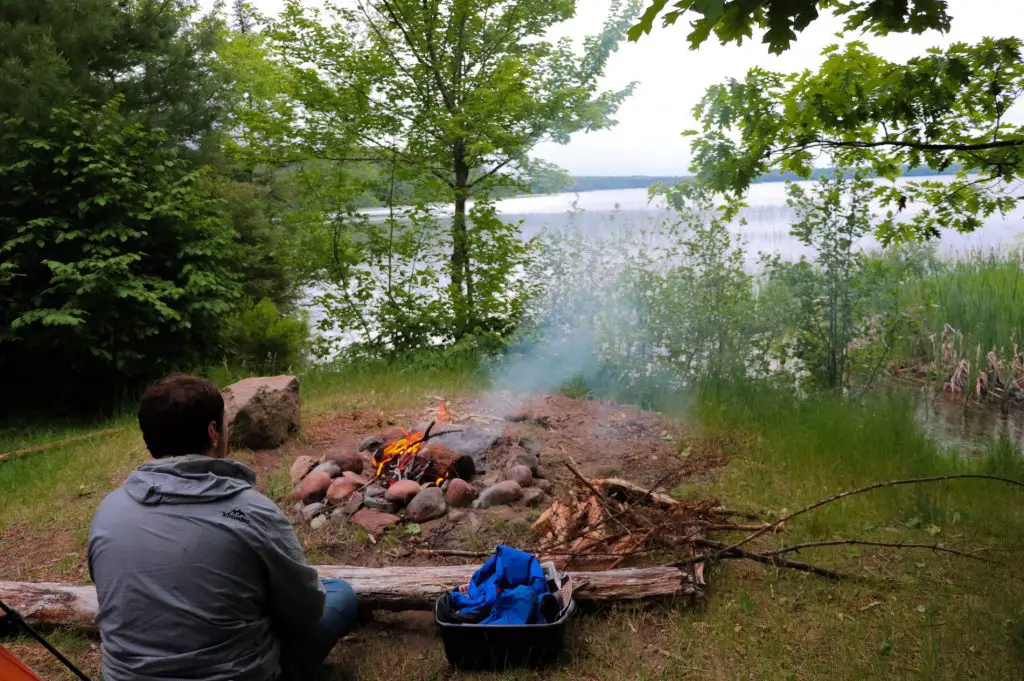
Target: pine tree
(243, 22)
(156, 55)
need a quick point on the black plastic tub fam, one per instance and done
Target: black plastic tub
(495, 648)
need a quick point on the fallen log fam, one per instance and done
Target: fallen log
(391, 588)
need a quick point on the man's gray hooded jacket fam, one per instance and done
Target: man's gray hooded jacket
(197, 575)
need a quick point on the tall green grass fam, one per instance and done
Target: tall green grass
(808, 447)
(981, 296)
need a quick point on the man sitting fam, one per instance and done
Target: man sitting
(198, 575)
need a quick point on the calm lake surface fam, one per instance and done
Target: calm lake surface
(767, 215)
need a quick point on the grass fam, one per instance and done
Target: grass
(981, 296)
(910, 615)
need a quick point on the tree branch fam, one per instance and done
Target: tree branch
(920, 146)
(890, 545)
(862, 490)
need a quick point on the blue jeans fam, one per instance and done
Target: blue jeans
(302, 656)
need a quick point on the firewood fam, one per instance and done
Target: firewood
(390, 588)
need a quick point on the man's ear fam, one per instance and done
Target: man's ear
(213, 433)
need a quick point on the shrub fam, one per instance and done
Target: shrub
(263, 339)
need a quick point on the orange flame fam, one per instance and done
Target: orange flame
(403, 453)
(442, 412)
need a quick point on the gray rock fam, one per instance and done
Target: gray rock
(531, 445)
(371, 443)
(311, 511)
(373, 490)
(427, 505)
(545, 486)
(521, 474)
(332, 469)
(456, 515)
(337, 514)
(318, 522)
(298, 507)
(541, 472)
(354, 503)
(533, 496)
(525, 459)
(380, 504)
(503, 493)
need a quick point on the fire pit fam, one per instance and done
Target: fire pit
(410, 458)
(417, 475)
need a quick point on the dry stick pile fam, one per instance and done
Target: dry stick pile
(607, 522)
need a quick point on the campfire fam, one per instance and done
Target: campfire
(404, 459)
(410, 457)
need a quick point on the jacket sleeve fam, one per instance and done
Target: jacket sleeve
(296, 597)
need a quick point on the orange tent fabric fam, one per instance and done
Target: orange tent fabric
(13, 669)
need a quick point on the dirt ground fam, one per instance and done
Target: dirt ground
(605, 440)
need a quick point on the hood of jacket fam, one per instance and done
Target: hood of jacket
(190, 479)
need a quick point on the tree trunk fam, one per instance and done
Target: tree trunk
(462, 285)
(391, 588)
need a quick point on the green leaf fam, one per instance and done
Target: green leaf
(412, 528)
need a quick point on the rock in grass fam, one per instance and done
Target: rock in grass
(520, 474)
(500, 494)
(346, 460)
(380, 504)
(373, 490)
(371, 444)
(311, 511)
(262, 412)
(301, 467)
(318, 522)
(460, 493)
(354, 503)
(426, 505)
(332, 469)
(313, 487)
(357, 479)
(402, 491)
(340, 491)
(374, 522)
(533, 496)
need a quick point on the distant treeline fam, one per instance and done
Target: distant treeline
(591, 183)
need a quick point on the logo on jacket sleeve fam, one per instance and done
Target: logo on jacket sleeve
(236, 514)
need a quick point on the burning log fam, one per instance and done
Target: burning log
(391, 588)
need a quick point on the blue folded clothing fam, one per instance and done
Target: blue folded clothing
(505, 590)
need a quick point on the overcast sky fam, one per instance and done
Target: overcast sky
(672, 78)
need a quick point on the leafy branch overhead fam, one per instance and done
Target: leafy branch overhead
(781, 20)
(945, 110)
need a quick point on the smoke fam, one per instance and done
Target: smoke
(586, 318)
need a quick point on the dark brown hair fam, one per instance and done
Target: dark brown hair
(175, 414)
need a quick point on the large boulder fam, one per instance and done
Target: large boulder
(262, 412)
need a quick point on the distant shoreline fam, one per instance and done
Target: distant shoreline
(591, 183)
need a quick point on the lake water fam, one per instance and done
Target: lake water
(767, 215)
